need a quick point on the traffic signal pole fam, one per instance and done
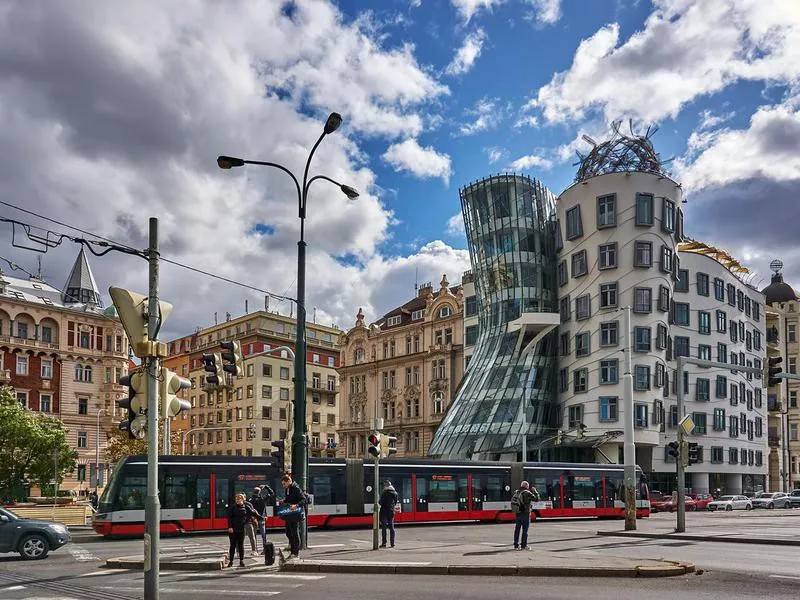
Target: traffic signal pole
(375, 505)
(629, 449)
(152, 505)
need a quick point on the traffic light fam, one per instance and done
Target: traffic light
(771, 371)
(388, 445)
(694, 453)
(135, 404)
(171, 383)
(132, 310)
(374, 443)
(232, 356)
(212, 363)
(279, 452)
(674, 450)
(559, 437)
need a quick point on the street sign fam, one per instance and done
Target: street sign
(687, 424)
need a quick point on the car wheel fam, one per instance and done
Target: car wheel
(750, 506)
(771, 505)
(34, 547)
(729, 507)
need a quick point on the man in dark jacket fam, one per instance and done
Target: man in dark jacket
(260, 500)
(239, 514)
(387, 503)
(523, 517)
(295, 498)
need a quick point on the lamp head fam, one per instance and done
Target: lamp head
(333, 122)
(228, 162)
(350, 192)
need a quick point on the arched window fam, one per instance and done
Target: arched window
(78, 372)
(445, 311)
(87, 373)
(438, 403)
(358, 355)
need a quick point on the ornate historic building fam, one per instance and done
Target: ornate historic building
(63, 355)
(400, 373)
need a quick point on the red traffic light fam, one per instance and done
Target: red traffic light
(373, 439)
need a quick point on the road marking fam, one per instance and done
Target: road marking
(786, 577)
(288, 576)
(14, 588)
(326, 546)
(198, 591)
(80, 553)
(369, 563)
(103, 572)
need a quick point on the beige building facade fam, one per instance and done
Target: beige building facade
(400, 373)
(63, 355)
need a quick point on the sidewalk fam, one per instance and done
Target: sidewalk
(727, 537)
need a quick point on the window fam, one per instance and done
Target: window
(83, 406)
(792, 332)
(418, 314)
(722, 352)
(642, 377)
(681, 313)
(609, 371)
(575, 416)
(284, 394)
(663, 298)
(734, 394)
(582, 307)
(583, 344)
(266, 412)
(608, 295)
(563, 275)
(82, 439)
(22, 365)
(793, 399)
(564, 345)
(721, 386)
(643, 254)
(640, 416)
(792, 365)
(470, 335)
(444, 312)
(668, 216)
(734, 331)
(608, 333)
(607, 256)
(470, 308)
(285, 373)
(666, 260)
(704, 352)
(731, 291)
(391, 321)
(681, 346)
(574, 225)
(266, 370)
(438, 403)
(699, 419)
(47, 368)
(266, 392)
(608, 408)
(661, 374)
(722, 321)
(579, 264)
(702, 284)
(563, 380)
(756, 312)
(606, 211)
(673, 416)
(642, 300)
(702, 389)
(662, 339)
(682, 282)
(641, 339)
(717, 454)
(579, 380)
(45, 403)
(719, 419)
(756, 340)
(719, 289)
(565, 308)
(644, 210)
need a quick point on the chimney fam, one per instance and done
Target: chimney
(425, 289)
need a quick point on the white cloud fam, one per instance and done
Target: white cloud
(495, 154)
(687, 49)
(595, 130)
(767, 149)
(467, 54)
(468, 8)
(455, 225)
(414, 3)
(530, 160)
(708, 119)
(421, 162)
(546, 12)
(527, 121)
(486, 114)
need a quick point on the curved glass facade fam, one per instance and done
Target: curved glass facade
(511, 232)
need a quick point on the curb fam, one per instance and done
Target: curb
(167, 565)
(668, 569)
(700, 538)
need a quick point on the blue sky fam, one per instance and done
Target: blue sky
(118, 112)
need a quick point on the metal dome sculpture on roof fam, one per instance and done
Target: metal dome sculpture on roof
(622, 153)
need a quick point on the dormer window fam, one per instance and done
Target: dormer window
(445, 312)
(417, 314)
(391, 321)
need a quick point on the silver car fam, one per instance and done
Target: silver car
(731, 503)
(773, 500)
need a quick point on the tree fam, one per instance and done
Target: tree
(28, 442)
(120, 445)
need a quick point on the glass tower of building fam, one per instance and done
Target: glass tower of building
(509, 389)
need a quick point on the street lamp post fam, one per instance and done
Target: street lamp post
(100, 411)
(299, 438)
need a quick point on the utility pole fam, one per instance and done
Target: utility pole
(629, 449)
(375, 505)
(680, 469)
(152, 505)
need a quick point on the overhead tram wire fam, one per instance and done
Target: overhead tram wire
(131, 250)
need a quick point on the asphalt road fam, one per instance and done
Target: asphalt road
(731, 571)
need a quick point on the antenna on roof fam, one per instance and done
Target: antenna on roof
(416, 279)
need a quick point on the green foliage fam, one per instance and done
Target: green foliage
(120, 445)
(28, 441)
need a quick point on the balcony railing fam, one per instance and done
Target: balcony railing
(773, 403)
(12, 339)
(319, 386)
(772, 335)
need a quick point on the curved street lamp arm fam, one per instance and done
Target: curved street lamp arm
(282, 168)
(305, 179)
(325, 177)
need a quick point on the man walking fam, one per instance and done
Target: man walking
(521, 505)
(387, 502)
(294, 499)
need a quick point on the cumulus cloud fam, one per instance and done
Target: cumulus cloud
(545, 12)
(468, 8)
(687, 49)
(526, 121)
(709, 120)
(421, 162)
(495, 154)
(528, 161)
(455, 225)
(121, 116)
(487, 114)
(467, 54)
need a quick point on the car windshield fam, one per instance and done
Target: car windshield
(726, 498)
(8, 513)
(769, 495)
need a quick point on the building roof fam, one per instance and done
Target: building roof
(778, 291)
(81, 288)
(406, 311)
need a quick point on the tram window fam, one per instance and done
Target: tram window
(494, 489)
(540, 483)
(132, 493)
(328, 489)
(245, 482)
(615, 487)
(179, 490)
(583, 487)
(441, 488)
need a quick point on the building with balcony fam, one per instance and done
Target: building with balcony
(400, 373)
(782, 321)
(244, 415)
(507, 395)
(63, 355)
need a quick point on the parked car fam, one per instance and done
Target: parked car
(772, 500)
(659, 502)
(701, 501)
(31, 538)
(731, 503)
(794, 498)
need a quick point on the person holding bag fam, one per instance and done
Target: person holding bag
(388, 508)
(292, 512)
(239, 515)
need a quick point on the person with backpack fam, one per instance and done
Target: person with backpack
(387, 502)
(260, 499)
(294, 499)
(521, 505)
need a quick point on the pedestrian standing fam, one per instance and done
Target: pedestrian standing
(250, 528)
(238, 515)
(387, 502)
(294, 498)
(259, 503)
(521, 505)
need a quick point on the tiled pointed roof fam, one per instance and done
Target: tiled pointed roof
(81, 288)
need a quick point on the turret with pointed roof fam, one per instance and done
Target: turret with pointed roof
(81, 288)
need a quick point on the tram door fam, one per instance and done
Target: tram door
(202, 510)
(221, 487)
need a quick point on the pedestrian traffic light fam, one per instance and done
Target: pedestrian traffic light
(279, 452)
(388, 445)
(136, 405)
(232, 356)
(132, 311)
(374, 444)
(171, 383)
(673, 450)
(693, 453)
(771, 371)
(212, 363)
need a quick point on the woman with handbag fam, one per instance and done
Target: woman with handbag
(239, 514)
(292, 512)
